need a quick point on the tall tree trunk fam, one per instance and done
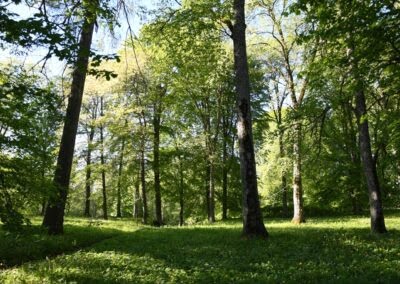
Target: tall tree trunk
(298, 212)
(54, 216)
(102, 161)
(181, 193)
(156, 163)
(143, 183)
(207, 187)
(211, 196)
(353, 152)
(210, 183)
(253, 225)
(119, 185)
(224, 171)
(88, 173)
(136, 205)
(376, 210)
(285, 211)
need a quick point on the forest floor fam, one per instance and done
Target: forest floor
(324, 250)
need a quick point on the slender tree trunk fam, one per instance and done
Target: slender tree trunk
(136, 205)
(54, 216)
(88, 173)
(144, 191)
(298, 214)
(211, 197)
(102, 161)
(210, 183)
(224, 171)
(156, 163)
(181, 193)
(285, 211)
(376, 209)
(119, 185)
(253, 225)
(207, 187)
(352, 149)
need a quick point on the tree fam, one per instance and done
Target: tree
(30, 113)
(91, 110)
(365, 43)
(54, 215)
(253, 225)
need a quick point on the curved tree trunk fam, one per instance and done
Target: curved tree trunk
(375, 201)
(253, 225)
(54, 216)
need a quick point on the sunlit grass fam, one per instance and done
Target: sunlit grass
(324, 250)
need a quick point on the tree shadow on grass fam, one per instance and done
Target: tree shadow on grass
(219, 255)
(33, 242)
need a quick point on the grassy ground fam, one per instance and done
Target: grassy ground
(325, 250)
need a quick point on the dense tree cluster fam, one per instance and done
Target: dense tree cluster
(205, 120)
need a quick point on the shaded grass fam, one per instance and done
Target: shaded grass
(327, 250)
(33, 243)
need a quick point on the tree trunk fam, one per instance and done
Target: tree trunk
(211, 196)
(224, 172)
(144, 191)
(136, 205)
(298, 212)
(285, 211)
(181, 193)
(353, 152)
(207, 187)
(102, 161)
(88, 172)
(119, 185)
(156, 163)
(376, 209)
(54, 216)
(253, 225)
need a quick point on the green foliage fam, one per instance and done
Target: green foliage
(29, 116)
(322, 250)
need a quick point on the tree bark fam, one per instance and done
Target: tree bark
(136, 205)
(285, 211)
(102, 161)
(54, 216)
(143, 183)
(376, 209)
(119, 185)
(298, 212)
(181, 194)
(88, 172)
(253, 225)
(156, 162)
(211, 196)
(224, 171)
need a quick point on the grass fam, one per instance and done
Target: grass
(327, 250)
(33, 243)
